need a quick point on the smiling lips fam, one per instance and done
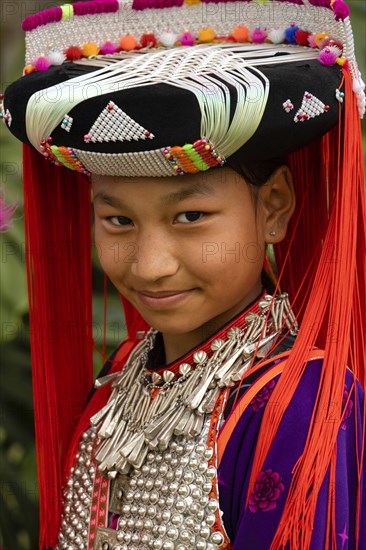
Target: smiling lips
(163, 299)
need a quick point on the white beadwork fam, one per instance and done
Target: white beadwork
(113, 124)
(67, 123)
(311, 107)
(222, 17)
(145, 163)
(288, 105)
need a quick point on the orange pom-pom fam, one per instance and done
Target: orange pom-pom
(89, 49)
(73, 53)
(29, 69)
(320, 37)
(206, 35)
(148, 39)
(128, 42)
(241, 33)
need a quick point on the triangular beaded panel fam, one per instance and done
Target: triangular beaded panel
(311, 107)
(113, 124)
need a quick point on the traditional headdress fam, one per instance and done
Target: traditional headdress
(169, 87)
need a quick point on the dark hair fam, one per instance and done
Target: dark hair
(257, 173)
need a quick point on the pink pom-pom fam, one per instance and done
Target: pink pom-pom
(42, 63)
(108, 47)
(258, 35)
(312, 40)
(327, 56)
(187, 39)
(341, 10)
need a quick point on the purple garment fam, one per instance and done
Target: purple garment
(254, 528)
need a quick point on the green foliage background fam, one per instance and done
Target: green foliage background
(18, 484)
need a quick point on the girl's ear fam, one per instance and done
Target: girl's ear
(277, 199)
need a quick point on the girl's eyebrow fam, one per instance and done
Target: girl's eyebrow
(166, 200)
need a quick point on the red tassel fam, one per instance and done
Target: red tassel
(57, 213)
(333, 315)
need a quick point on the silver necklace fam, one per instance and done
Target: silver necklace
(132, 422)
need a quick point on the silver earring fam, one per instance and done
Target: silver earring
(273, 233)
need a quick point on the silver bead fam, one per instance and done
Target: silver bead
(168, 545)
(212, 505)
(173, 487)
(172, 533)
(207, 487)
(217, 538)
(169, 501)
(129, 496)
(139, 524)
(180, 506)
(140, 482)
(188, 477)
(190, 522)
(193, 462)
(200, 449)
(201, 545)
(161, 502)
(151, 511)
(135, 538)
(183, 491)
(161, 530)
(210, 520)
(211, 472)
(141, 511)
(157, 544)
(145, 498)
(158, 483)
(126, 509)
(205, 531)
(202, 467)
(199, 357)
(179, 449)
(154, 497)
(184, 368)
(163, 469)
(208, 453)
(148, 525)
(150, 457)
(176, 519)
(196, 493)
(127, 537)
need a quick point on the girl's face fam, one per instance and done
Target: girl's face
(187, 251)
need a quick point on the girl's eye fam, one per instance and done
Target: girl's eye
(119, 220)
(189, 217)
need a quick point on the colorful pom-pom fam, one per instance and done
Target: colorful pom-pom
(332, 43)
(187, 39)
(258, 35)
(320, 37)
(128, 43)
(206, 35)
(89, 49)
(342, 61)
(311, 40)
(67, 11)
(56, 57)
(168, 38)
(341, 10)
(276, 36)
(301, 37)
(290, 34)
(327, 57)
(108, 48)
(42, 63)
(28, 69)
(73, 53)
(148, 40)
(240, 33)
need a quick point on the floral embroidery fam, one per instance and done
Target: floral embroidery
(267, 490)
(262, 396)
(349, 407)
